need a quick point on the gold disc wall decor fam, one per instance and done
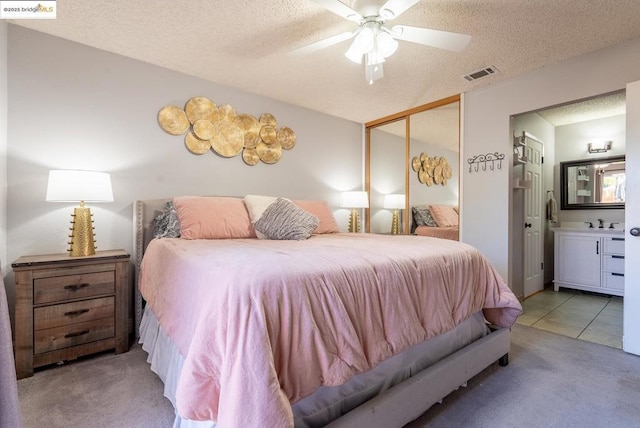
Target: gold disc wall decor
(267, 119)
(227, 139)
(173, 120)
(251, 128)
(286, 137)
(219, 128)
(198, 108)
(431, 169)
(228, 112)
(250, 156)
(196, 145)
(203, 129)
(269, 153)
(268, 134)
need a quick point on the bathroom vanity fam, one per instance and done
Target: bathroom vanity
(589, 259)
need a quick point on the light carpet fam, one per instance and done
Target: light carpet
(551, 381)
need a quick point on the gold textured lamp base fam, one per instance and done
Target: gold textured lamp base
(354, 221)
(81, 239)
(395, 223)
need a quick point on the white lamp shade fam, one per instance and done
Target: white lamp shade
(354, 200)
(394, 201)
(75, 186)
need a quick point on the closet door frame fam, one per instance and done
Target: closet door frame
(406, 115)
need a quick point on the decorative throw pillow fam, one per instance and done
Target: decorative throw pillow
(321, 210)
(256, 204)
(444, 215)
(166, 224)
(422, 217)
(284, 220)
(213, 217)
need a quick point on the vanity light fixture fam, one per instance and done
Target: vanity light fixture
(80, 186)
(395, 202)
(354, 200)
(599, 147)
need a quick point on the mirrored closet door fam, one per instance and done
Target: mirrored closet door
(412, 160)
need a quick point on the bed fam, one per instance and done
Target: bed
(450, 232)
(436, 221)
(243, 361)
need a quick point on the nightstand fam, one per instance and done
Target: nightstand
(67, 307)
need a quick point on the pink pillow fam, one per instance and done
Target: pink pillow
(321, 210)
(213, 218)
(444, 215)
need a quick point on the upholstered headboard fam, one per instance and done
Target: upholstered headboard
(143, 214)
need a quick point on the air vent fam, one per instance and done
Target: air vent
(481, 73)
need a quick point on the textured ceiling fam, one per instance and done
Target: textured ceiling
(246, 44)
(595, 108)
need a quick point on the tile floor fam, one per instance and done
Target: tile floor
(586, 316)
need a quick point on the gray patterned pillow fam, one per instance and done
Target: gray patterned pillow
(422, 217)
(166, 224)
(284, 220)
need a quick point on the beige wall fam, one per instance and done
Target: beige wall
(3, 144)
(486, 198)
(72, 106)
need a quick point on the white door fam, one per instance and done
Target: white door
(631, 327)
(533, 217)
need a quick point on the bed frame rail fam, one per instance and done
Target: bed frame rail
(408, 400)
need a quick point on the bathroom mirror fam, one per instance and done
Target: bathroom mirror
(593, 183)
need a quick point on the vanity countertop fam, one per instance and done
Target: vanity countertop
(595, 230)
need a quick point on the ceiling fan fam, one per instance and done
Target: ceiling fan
(373, 40)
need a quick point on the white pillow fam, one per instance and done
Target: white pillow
(256, 204)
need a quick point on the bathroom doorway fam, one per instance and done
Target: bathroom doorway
(565, 132)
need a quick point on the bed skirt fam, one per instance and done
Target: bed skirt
(327, 403)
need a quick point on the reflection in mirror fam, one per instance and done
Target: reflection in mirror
(435, 133)
(387, 172)
(593, 183)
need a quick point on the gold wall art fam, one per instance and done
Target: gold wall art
(431, 170)
(221, 129)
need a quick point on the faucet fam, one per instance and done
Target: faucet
(590, 223)
(611, 225)
(600, 223)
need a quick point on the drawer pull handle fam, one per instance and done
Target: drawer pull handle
(76, 313)
(617, 257)
(76, 287)
(79, 333)
(617, 274)
(617, 239)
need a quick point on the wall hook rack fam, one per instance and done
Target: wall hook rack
(478, 162)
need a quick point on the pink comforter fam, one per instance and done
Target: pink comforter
(262, 324)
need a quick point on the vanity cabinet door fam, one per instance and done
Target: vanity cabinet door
(578, 259)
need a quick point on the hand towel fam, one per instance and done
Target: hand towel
(552, 208)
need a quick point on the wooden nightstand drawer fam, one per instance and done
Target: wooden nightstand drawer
(68, 307)
(70, 287)
(52, 316)
(71, 335)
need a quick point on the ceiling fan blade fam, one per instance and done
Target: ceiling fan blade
(324, 43)
(339, 9)
(394, 8)
(436, 38)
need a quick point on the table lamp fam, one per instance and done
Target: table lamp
(80, 186)
(395, 202)
(354, 200)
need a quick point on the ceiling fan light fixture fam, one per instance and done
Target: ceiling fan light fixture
(373, 72)
(365, 40)
(374, 57)
(354, 53)
(387, 45)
